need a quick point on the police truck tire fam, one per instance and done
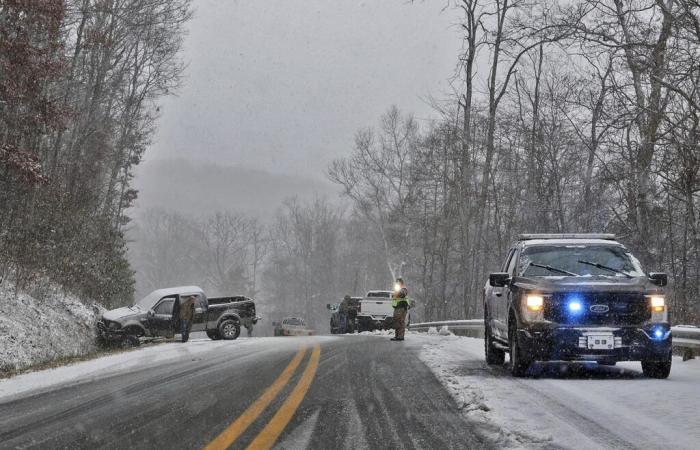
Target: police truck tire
(229, 329)
(494, 356)
(519, 364)
(657, 369)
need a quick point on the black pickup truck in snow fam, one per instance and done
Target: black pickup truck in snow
(576, 298)
(220, 318)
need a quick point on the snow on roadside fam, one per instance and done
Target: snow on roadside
(568, 406)
(377, 333)
(43, 327)
(461, 374)
(32, 383)
(87, 370)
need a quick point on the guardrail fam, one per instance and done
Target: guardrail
(685, 337)
(472, 324)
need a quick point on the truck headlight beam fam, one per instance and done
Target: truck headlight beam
(534, 302)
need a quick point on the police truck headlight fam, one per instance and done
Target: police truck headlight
(533, 307)
(657, 303)
(534, 303)
(659, 312)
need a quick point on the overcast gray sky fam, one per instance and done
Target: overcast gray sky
(283, 85)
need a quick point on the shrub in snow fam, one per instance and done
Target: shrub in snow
(432, 331)
(43, 325)
(444, 331)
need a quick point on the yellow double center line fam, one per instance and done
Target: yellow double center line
(269, 435)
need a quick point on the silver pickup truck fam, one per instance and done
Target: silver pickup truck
(376, 313)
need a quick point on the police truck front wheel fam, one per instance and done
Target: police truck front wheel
(519, 364)
(494, 356)
(657, 369)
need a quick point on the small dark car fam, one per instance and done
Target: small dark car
(576, 298)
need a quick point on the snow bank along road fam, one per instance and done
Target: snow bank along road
(342, 392)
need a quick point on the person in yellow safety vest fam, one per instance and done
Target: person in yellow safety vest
(400, 302)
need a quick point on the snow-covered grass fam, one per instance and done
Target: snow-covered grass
(43, 326)
(569, 405)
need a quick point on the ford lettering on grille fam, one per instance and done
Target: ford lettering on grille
(599, 308)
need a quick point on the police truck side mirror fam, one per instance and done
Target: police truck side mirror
(328, 306)
(151, 313)
(658, 278)
(499, 279)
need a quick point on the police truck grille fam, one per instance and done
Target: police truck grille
(598, 309)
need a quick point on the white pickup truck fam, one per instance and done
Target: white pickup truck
(376, 312)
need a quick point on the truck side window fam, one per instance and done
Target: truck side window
(165, 307)
(511, 264)
(509, 259)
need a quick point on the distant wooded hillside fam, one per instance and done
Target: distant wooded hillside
(201, 188)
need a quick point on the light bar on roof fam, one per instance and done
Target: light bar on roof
(528, 237)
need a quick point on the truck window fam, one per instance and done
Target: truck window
(509, 259)
(511, 264)
(570, 257)
(386, 294)
(165, 306)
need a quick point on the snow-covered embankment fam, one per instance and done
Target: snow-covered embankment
(42, 326)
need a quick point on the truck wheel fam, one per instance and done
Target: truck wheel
(657, 369)
(518, 362)
(229, 329)
(213, 335)
(494, 356)
(131, 340)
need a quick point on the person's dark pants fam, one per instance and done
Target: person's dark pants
(400, 313)
(185, 329)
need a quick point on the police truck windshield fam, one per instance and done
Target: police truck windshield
(578, 260)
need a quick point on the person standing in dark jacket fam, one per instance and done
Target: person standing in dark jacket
(343, 314)
(400, 302)
(186, 316)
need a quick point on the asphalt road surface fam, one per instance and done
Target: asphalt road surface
(347, 392)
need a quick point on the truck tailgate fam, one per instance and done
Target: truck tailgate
(376, 307)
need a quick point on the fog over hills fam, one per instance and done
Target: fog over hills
(194, 187)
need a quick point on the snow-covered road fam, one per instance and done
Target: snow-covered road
(573, 406)
(368, 393)
(362, 392)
